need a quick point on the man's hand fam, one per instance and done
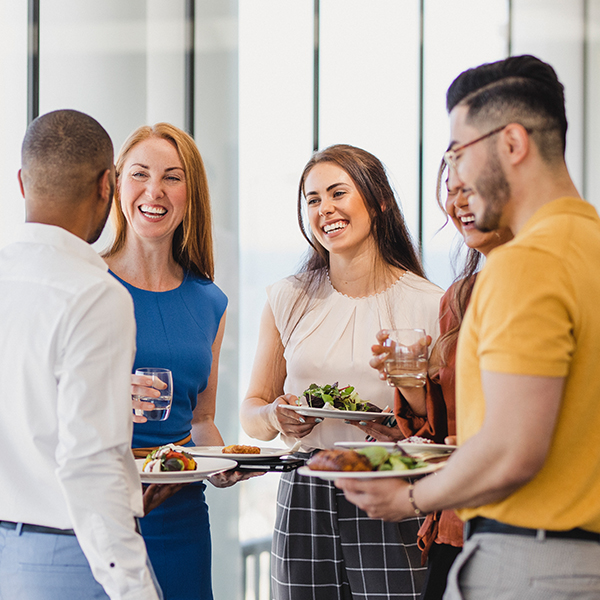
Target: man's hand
(385, 499)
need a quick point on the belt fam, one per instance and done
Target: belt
(483, 525)
(143, 452)
(35, 528)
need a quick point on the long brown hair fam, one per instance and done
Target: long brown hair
(192, 241)
(462, 288)
(393, 241)
(395, 247)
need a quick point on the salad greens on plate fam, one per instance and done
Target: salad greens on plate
(332, 396)
(394, 460)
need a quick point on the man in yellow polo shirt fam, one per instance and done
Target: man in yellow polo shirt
(526, 477)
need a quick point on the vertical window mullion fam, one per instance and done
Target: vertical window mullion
(190, 65)
(316, 72)
(33, 60)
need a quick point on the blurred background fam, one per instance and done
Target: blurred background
(260, 84)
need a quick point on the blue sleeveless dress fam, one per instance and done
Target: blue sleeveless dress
(176, 330)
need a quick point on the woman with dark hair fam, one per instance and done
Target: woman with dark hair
(362, 273)
(163, 255)
(430, 412)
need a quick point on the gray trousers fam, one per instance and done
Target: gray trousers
(495, 566)
(43, 566)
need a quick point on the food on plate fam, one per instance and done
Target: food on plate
(339, 460)
(415, 439)
(391, 460)
(168, 458)
(371, 458)
(332, 396)
(240, 449)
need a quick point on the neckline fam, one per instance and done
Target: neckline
(185, 276)
(385, 291)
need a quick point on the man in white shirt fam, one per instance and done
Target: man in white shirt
(70, 490)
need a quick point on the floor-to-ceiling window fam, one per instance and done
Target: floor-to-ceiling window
(260, 84)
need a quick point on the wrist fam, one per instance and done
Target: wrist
(413, 501)
(271, 413)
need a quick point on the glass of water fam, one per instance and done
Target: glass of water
(406, 363)
(162, 404)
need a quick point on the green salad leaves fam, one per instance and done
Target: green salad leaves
(383, 460)
(331, 396)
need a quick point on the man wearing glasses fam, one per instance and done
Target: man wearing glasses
(526, 477)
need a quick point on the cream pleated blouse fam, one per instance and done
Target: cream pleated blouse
(332, 341)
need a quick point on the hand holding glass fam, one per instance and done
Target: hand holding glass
(162, 380)
(406, 362)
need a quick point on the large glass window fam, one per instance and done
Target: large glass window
(261, 83)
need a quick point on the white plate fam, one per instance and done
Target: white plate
(205, 467)
(332, 413)
(213, 451)
(437, 449)
(332, 475)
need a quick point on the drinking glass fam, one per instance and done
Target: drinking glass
(406, 363)
(162, 404)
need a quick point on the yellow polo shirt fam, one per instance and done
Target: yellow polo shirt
(535, 310)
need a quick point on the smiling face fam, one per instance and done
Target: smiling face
(153, 190)
(479, 169)
(457, 208)
(337, 213)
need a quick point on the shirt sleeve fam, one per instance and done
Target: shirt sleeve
(434, 426)
(525, 314)
(95, 466)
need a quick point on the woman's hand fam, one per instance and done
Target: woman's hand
(381, 433)
(229, 478)
(287, 421)
(141, 385)
(380, 353)
(156, 494)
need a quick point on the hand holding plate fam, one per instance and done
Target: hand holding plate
(154, 494)
(289, 422)
(229, 478)
(385, 499)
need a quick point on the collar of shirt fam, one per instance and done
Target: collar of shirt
(52, 235)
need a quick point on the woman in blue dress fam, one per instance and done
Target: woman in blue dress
(163, 254)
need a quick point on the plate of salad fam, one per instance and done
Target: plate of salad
(332, 402)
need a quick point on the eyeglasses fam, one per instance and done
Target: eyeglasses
(450, 157)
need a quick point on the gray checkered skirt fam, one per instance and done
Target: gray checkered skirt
(325, 548)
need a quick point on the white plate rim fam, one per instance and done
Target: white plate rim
(410, 447)
(329, 413)
(216, 465)
(216, 452)
(333, 475)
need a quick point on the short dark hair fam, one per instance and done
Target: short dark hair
(519, 89)
(63, 154)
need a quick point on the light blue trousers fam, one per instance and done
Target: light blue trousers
(495, 566)
(42, 566)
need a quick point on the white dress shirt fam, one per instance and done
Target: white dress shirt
(67, 342)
